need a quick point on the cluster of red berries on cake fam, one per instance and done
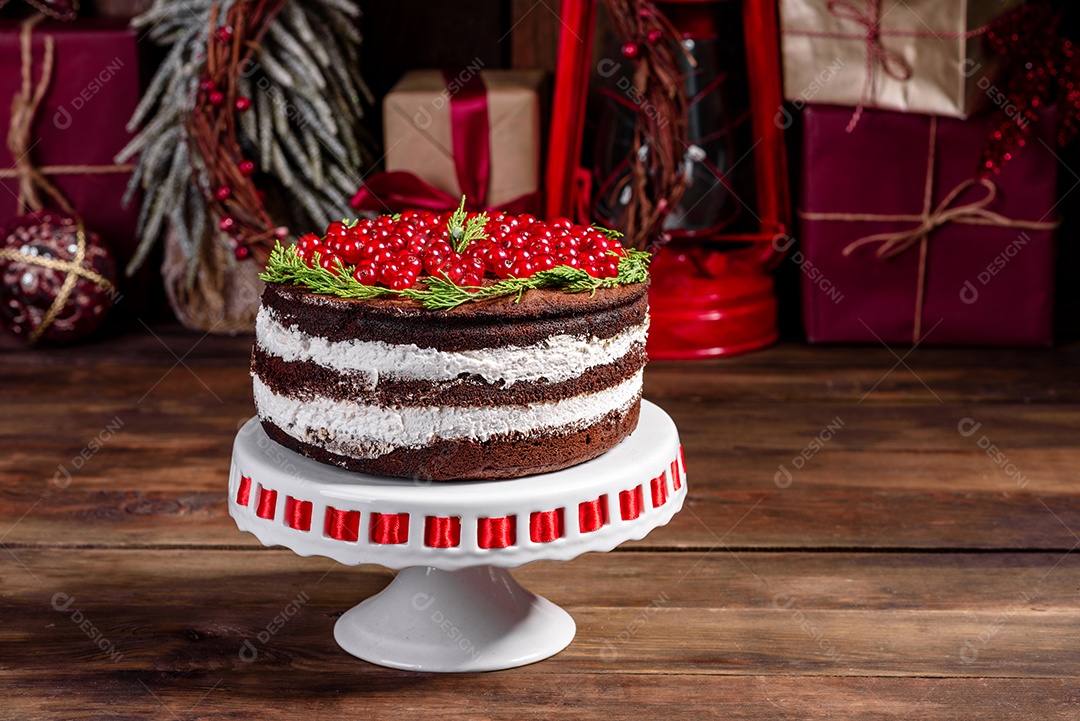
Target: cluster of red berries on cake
(394, 251)
(452, 346)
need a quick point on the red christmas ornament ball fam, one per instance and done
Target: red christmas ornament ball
(38, 254)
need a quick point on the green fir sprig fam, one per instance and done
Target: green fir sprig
(285, 266)
(464, 230)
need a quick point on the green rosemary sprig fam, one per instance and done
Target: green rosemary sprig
(464, 230)
(285, 266)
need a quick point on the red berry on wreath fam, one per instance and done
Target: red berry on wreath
(654, 36)
(224, 34)
(242, 252)
(216, 97)
(242, 104)
(246, 167)
(226, 224)
(38, 254)
(223, 193)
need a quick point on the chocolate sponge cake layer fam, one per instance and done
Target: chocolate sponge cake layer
(508, 456)
(307, 379)
(471, 326)
(494, 389)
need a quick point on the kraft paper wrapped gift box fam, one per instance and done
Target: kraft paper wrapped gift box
(80, 124)
(420, 137)
(901, 243)
(919, 56)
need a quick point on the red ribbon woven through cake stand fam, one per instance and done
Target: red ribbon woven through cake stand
(298, 514)
(442, 532)
(631, 503)
(243, 493)
(496, 532)
(546, 526)
(343, 525)
(592, 515)
(659, 491)
(389, 528)
(267, 504)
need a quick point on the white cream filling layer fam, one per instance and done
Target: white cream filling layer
(366, 431)
(557, 358)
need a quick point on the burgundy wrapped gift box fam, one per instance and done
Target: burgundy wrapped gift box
(93, 91)
(981, 275)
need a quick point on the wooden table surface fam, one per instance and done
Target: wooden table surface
(867, 535)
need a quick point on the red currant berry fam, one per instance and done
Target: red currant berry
(561, 222)
(350, 251)
(390, 269)
(456, 274)
(308, 241)
(412, 264)
(336, 229)
(543, 262)
(401, 282)
(522, 269)
(472, 279)
(366, 273)
(329, 262)
(608, 268)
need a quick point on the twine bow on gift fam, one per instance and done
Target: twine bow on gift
(892, 64)
(33, 181)
(877, 55)
(931, 218)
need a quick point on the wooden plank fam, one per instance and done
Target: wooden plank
(245, 693)
(884, 476)
(789, 372)
(962, 615)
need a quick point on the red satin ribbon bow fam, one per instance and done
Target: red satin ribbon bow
(470, 130)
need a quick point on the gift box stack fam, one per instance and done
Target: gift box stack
(913, 229)
(68, 88)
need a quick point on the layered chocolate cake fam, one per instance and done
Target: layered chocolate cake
(444, 376)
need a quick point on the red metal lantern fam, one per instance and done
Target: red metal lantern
(712, 290)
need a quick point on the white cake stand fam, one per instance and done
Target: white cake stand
(454, 606)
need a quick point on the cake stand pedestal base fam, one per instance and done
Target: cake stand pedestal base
(473, 619)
